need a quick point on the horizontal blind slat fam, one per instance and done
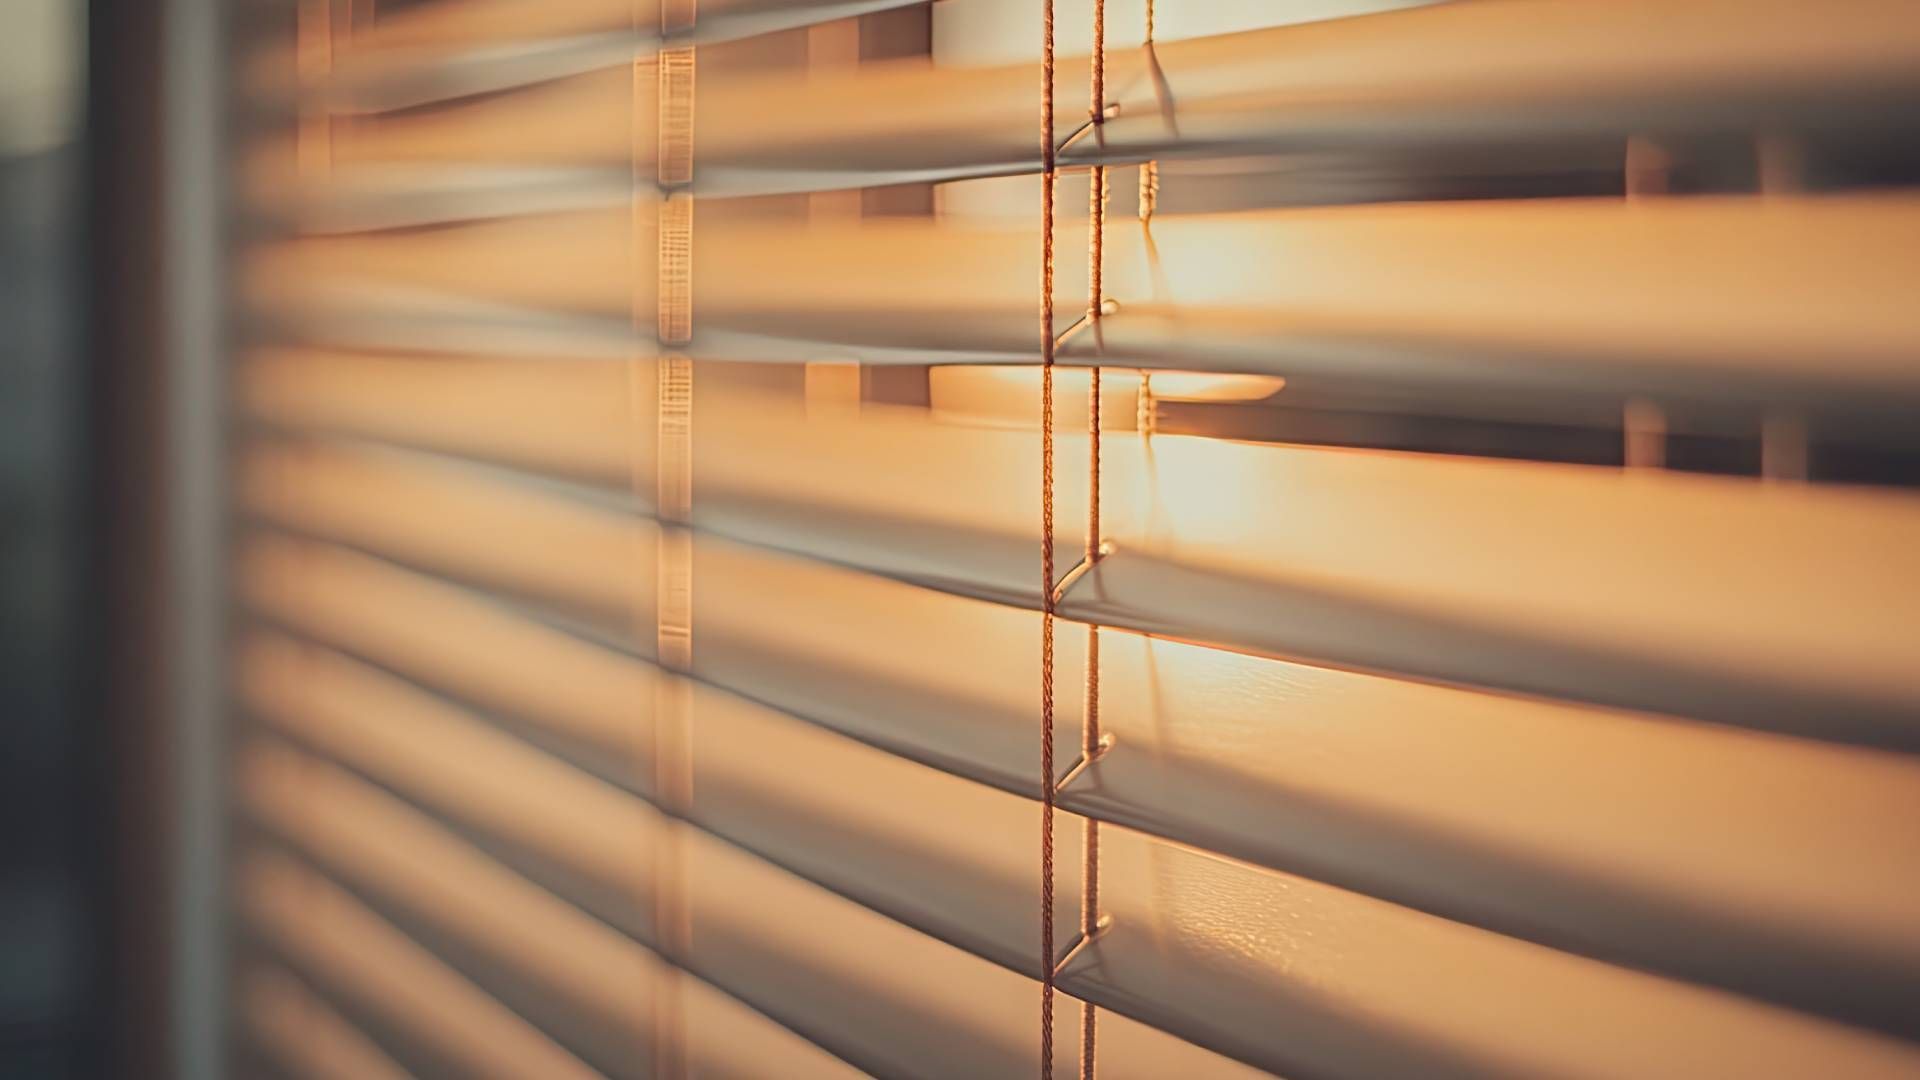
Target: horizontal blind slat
(978, 905)
(1475, 75)
(1277, 1000)
(597, 972)
(1563, 581)
(1403, 791)
(1291, 916)
(1305, 979)
(446, 52)
(455, 638)
(335, 936)
(742, 904)
(1673, 299)
(584, 984)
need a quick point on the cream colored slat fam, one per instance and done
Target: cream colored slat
(829, 959)
(377, 844)
(1673, 846)
(1309, 980)
(1858, 957)
(726, 1040)
(470, 23)
(453, 637)
(494, 784)
(388, 848)
(1566, 581)
(1702, 596)
(606, 574)
(1718, 598)
(1675, 299)
(557, 416)
(984, 905)
(391, 849)
(1275, 970)
(357, 715)
(445, 51)
(332, 935)
(1615, 588)
(1475, 75)
(1742, 859)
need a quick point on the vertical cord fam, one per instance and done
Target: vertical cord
(1090, 726)
(1097, 106)
(1149, 171)
(1149, 200)
(1046, 541)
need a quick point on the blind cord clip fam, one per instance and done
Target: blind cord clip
(1085, 761)
(1079, 570)
(1081, 941)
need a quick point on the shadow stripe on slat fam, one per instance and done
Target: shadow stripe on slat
(1803, 992)
(866, 898)
(1355, 625)
(1247, 1044)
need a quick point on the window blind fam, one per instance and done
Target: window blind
(639, 498)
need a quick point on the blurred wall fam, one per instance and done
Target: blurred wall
(48, 872)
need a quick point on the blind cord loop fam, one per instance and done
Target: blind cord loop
(1107, 307)
(1077, 571)
(1081, 763)
(1080, 941)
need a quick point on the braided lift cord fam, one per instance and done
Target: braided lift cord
(1149, 201)
(1149, 171)
(1046, 540)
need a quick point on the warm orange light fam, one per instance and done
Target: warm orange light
(1194, 386)
(1010, 396)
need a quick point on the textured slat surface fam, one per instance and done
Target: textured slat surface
(447, 51)
(580, 980)
(1564, 581)
(1675, 298)
(336, 937)
(1423, 765)
(1371, 806)
(1276, 970)
(1336, 984)
(593, 972)
(1463, 74)
(742, 904)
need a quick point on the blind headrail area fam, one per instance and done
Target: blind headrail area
(1482, 443)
